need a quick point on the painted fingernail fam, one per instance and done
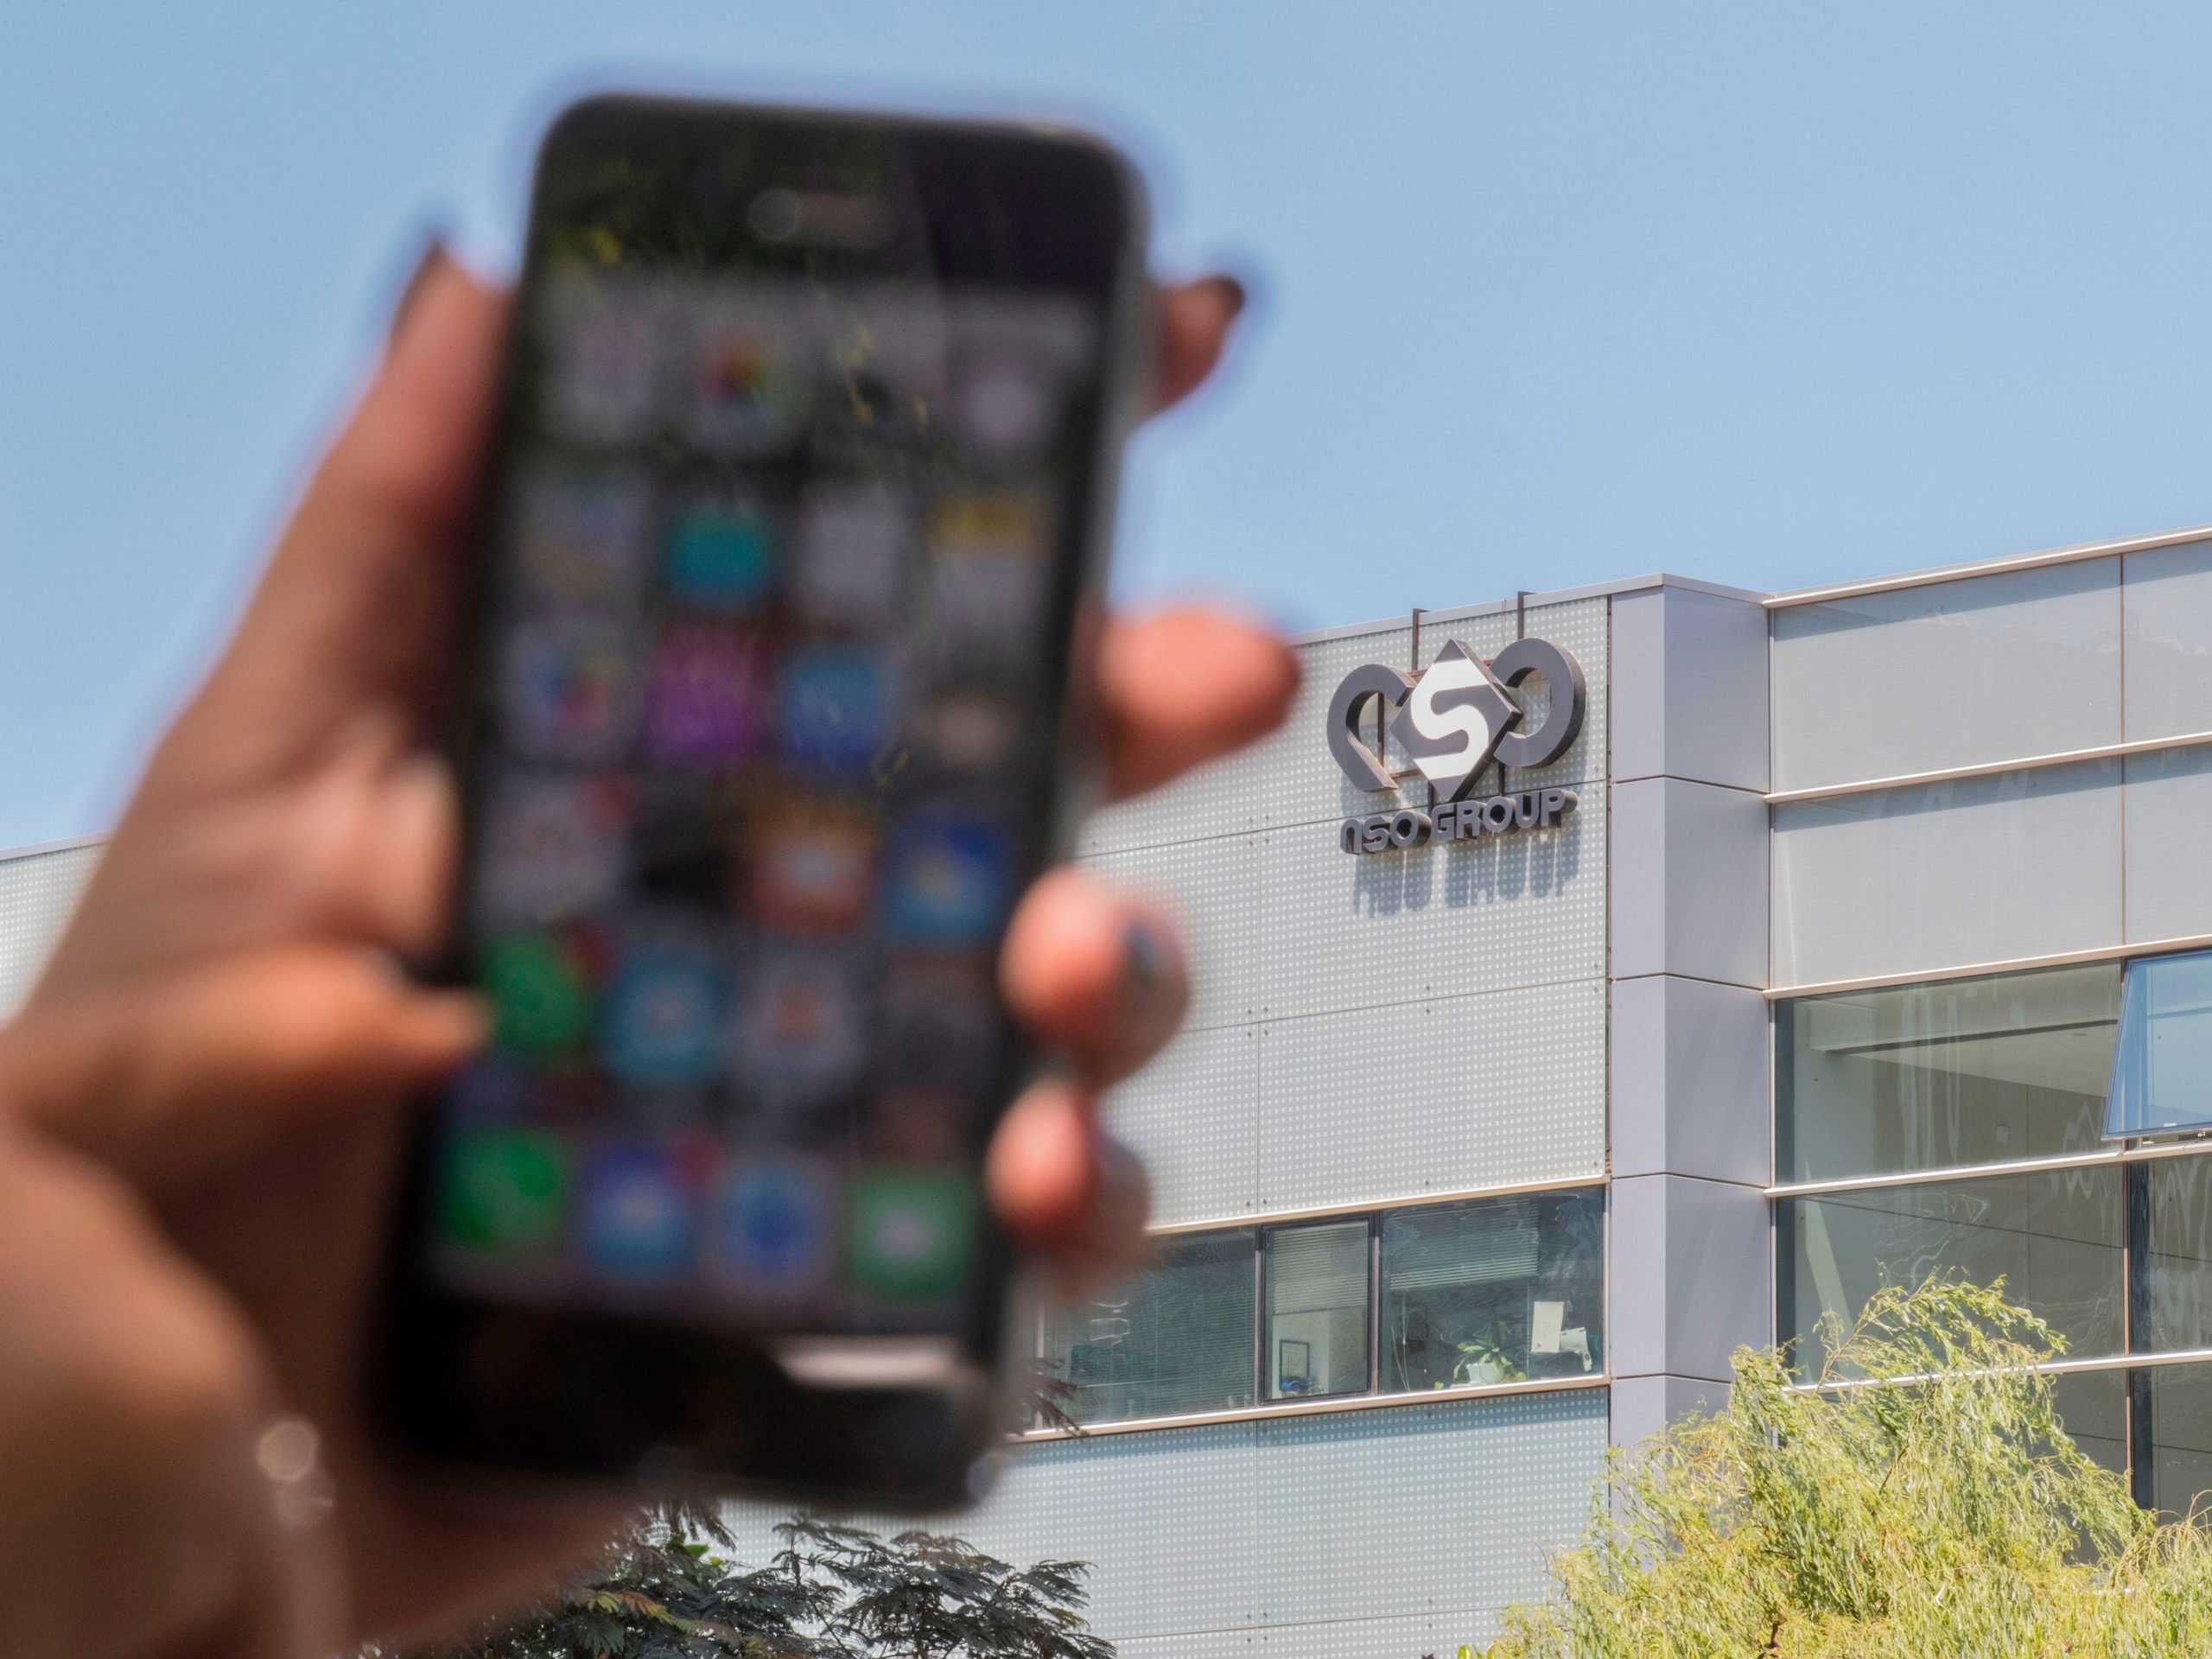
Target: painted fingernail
(426, 265)
(1152, 983)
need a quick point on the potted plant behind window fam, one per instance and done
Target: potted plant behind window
(1487, 1359)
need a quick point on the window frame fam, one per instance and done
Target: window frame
(1372, 1395)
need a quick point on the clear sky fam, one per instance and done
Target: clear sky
(1768, 294)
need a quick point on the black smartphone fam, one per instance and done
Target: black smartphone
(801, 487)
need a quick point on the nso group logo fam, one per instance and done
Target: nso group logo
(1443, 726)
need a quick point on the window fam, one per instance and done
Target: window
(1317, 1311)
(2161, 1079)
(2053, 1236)
(2064, 1073)
(1931, 1076)
(1496, 1290)
(1478, 1294)
(1175, 1339)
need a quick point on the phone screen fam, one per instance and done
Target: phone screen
(787, 530)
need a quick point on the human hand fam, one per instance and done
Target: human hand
(141, 1521)
(295, 807)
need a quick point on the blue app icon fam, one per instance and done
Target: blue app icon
(635, 1217)
(946, 881)
(663, 1018)
(722, 557)
(774, 1236)
(834, 708)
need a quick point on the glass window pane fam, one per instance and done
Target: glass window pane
(2053, 1236)
(2179, 1401)
(2162, 1070)
(1930, 1076)
(2177, 1265)
(1176, 1338)
(1317, 1311)
(2092, 1406)
(1493, 1291)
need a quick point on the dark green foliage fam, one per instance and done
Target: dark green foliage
(832, 1592)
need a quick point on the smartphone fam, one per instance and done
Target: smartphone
(801, 483)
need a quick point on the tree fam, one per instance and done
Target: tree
(832, 1592)
(1925, 1503)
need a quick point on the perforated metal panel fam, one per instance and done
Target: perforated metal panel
(1375, 1514)
(1284, 923)
(38, 891)
(1433, 1097)
(1367, 1535)
(1289, 778)
(1193, 1116)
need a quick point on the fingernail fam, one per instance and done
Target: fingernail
(1152, 983)
(1233, 291)
(426, 265)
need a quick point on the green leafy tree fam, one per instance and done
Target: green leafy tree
(1925, 1503)
(832, 1592)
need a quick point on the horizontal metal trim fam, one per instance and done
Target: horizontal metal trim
(2047, 1368)
(2003, 965)
(1991, 769)
(2129, 1155)
(1369, 1206)
(39, 848)
(1506, 607)
(1321, 1408)
(1929, 578)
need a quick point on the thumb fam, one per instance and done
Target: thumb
(174, 1075)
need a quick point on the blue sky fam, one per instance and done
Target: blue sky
(1769, 294)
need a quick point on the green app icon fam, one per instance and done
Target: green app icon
(914, 1234)
(505, 1192)
(541, 1000)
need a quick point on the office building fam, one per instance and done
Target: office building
(1793, 951)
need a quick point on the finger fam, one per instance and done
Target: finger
(178, 1076)
(1194, 319)
(1075, 1195)
(1097, 977)
(358, 596)
(129, 1400)
(1181, 687)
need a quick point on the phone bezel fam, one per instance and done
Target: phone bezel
(722, 1415)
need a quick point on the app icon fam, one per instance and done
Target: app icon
(704, 704)
(813, 866)
(912, 1234)
(800, 1036)
(1005, 400)
(636, 1212)
(968, 731)
(606, 360)
(851, 567)
(504, 1192)
(540, 988)
(988, 572)
(834, 708)
(569, 688)
(661, 1021)
(773, 1227)
(945, 881)
(580, 538)
(721, 555)
(748, 397)
(553, 846)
